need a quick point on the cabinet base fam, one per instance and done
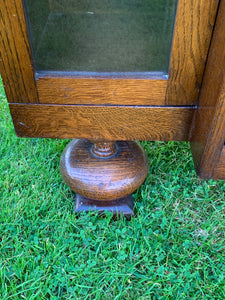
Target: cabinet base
(118, 207)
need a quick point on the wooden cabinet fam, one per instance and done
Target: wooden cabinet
(185, 103)
(208, 130)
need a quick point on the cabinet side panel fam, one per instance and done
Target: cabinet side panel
(192, 35)
(219, 172)
(16, 65)
(208, 133)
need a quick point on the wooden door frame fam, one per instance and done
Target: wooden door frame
(190, 46)
(153, 108)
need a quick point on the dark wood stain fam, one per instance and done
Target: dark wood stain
(104, 182)
(121, 207)
(100, 178)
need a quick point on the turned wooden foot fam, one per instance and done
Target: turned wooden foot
(104, 174)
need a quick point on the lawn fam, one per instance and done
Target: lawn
(174, 247)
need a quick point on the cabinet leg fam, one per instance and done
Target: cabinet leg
(104, 174)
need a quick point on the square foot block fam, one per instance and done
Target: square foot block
(119, 207)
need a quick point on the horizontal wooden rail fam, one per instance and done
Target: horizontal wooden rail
(102, 122)
(102, 91)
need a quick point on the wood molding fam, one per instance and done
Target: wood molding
(102, 122)
(16, 63)
(208, 133)
(192, 35)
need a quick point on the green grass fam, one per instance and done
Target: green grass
(174, 248)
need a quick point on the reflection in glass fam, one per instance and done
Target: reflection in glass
(101, 35)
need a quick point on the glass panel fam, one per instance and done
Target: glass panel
(101, 35)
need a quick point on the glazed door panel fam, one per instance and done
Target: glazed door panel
(147, 80)
(101, 35)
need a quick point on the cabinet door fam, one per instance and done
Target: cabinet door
(116, 70)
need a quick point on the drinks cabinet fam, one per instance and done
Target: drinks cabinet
(109, 73)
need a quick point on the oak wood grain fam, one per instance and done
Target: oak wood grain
(104, 179)
(16, 65)
(219, 171)
(208, 134)
(125, 91)
(102, 122)
(192, 34)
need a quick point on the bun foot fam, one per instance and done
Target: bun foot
(104, 174)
